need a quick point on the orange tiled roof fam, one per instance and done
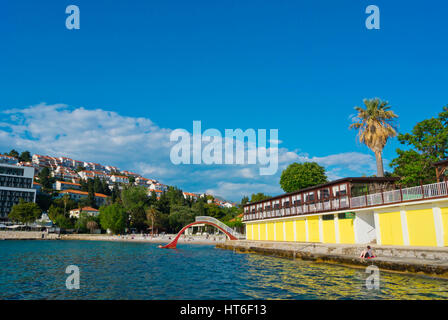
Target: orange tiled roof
(71, 183)
(82, 192)
(89, 209)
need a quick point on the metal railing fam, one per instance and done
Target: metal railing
(428, 191)
(221, 225)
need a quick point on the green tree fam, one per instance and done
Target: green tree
(427, 143)
(55, 211)
(63, 222)
(106, 189)
(135, 200)
(13, 153)
(45, 179)
(179, 217)
(81, 223)
(97, 185)
(214, 211)
(115, 193)
(375, 125)
(413, 168)
(244, 200)
(25, 156)
(151, 217)
(258, 197)
(44, 201)
(25, 212)
(113, 217)
(91, 197)
(302, 175)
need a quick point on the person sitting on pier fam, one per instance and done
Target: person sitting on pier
(368, 253)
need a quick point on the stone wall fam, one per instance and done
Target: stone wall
(27, 235)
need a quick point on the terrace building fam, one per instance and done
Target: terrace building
(16, 183)
(88, 174)
(119, 179)
(130, 174)
(191, 195)
(8, 159)
(111, 169)
(158, 186)
(64, 185)
(64, 173)
(77, 195)
(354, 211)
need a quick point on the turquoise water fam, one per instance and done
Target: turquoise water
(120, 270)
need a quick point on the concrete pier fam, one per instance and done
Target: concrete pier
(429, 261)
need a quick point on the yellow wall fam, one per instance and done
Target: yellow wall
(249, 233)
(270, 231)
(445, 225)
(300, 230)
(346, 231)
(289, 228)
(263, 231)
(313, 229)
(390, 228)
(329, 231)
(256, 234)
(279, 231)
(421, 227)
(420, 223)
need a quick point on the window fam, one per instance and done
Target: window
(309, 197)
(336, 191)
(346, 215)
(328, 217)
(11, 171)
(324, 194)
(343, 190)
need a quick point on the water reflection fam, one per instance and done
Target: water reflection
(310, 280)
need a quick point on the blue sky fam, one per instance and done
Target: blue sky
(296, 66)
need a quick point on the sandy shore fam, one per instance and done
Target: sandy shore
(212, 240)
(37, 235)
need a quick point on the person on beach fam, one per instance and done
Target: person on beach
(368, 253)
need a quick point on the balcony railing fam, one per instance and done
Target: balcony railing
(428, 191)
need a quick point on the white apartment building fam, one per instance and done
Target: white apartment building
(16, 182)
(8, 159)
(119, 179)
(65, 185)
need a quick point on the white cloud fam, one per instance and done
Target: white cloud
(138, 144)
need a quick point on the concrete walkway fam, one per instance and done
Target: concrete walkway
(430, 261)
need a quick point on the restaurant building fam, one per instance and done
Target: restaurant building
(354, 211)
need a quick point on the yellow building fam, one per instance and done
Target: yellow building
(338, 212)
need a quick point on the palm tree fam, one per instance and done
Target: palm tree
(91, 225)
(151, 215)
(376, 125)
